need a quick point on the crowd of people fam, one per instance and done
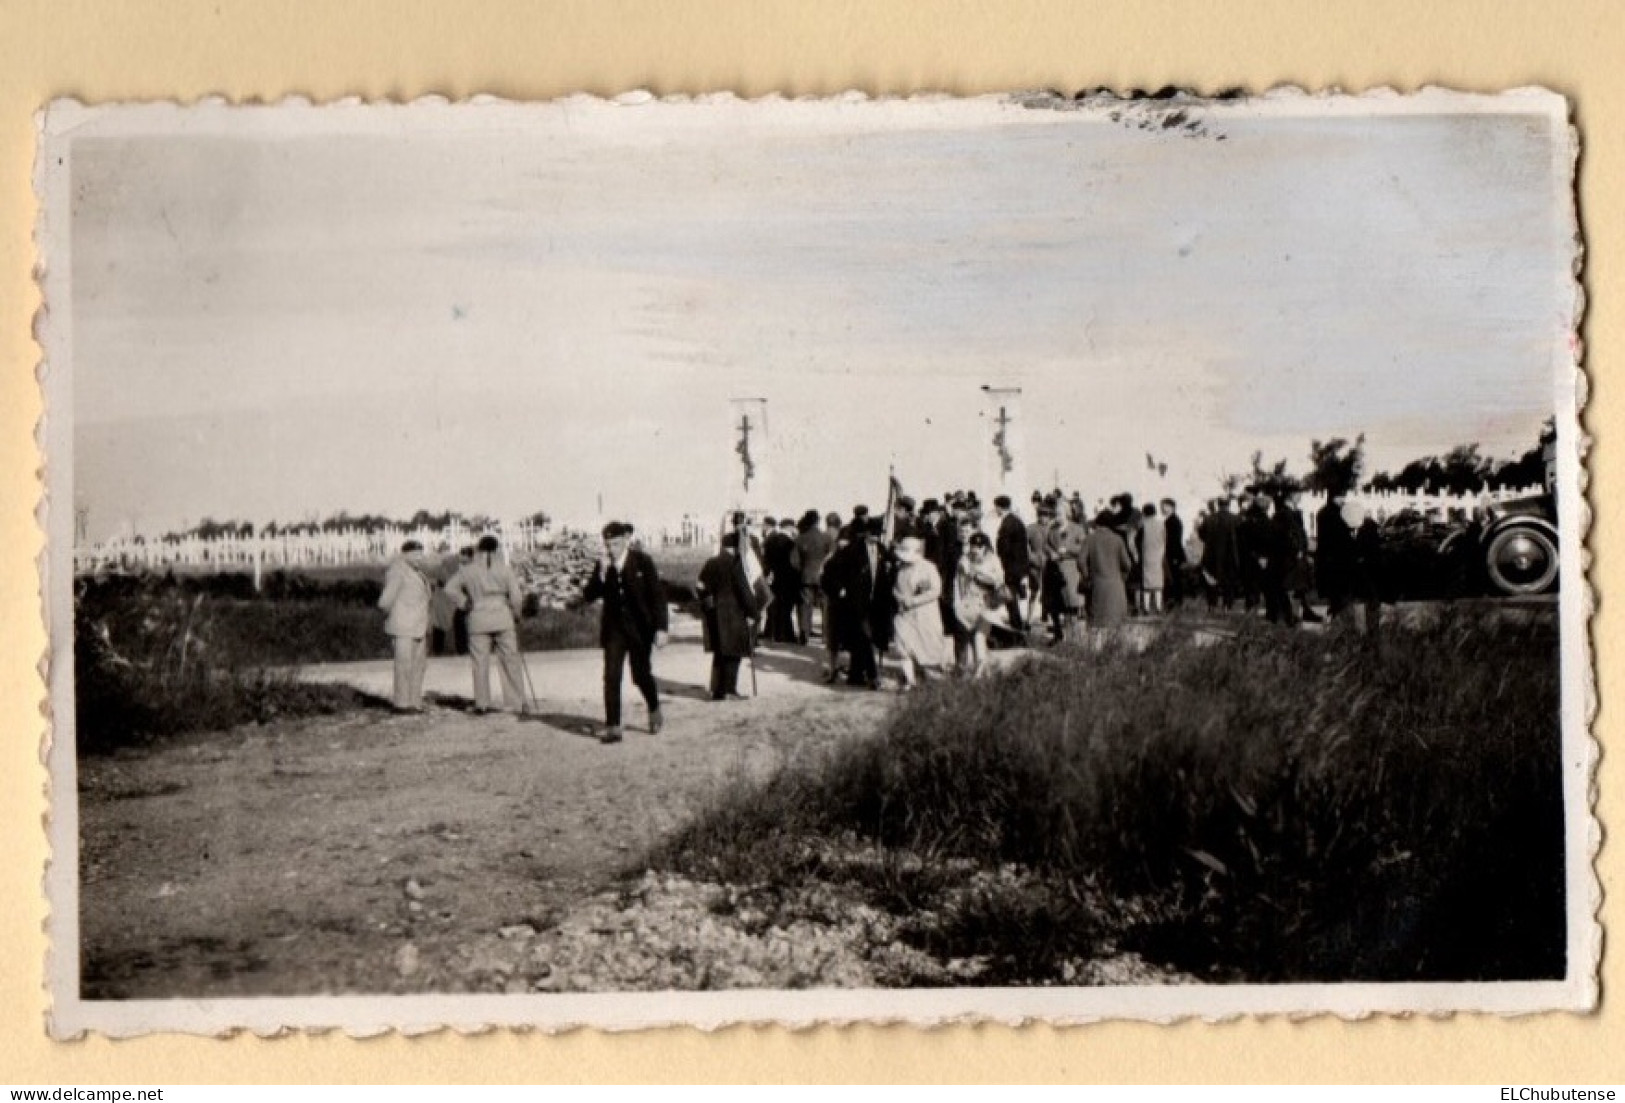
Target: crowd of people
(945, 583)
(942, 584)
(1254, 550)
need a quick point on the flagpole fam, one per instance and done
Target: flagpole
(889, 529)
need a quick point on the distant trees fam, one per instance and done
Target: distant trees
(1335, 465)
(1272, 480)
(209, 528)
(1338, 466)
(1465, 470)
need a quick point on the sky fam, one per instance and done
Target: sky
(500, 310)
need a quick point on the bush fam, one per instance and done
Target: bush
(158, 663)
(156, 656)
(1284, 807)
(559, 629)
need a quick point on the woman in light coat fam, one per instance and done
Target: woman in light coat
(980, 602)
(1153, 555)
(487, 588)
(1064, 538)
(405, 601)
(917, 624)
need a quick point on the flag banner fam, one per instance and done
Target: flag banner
(894, 491)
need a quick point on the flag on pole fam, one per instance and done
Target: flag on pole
(755, 575)
(894, 491)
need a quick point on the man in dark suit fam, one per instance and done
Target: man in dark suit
(1010, 544)
(858, 584)
(1174, 555)
(778, 560)
(945, 554)
(1221, 554)
(633, 623)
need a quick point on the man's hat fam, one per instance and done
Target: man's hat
(905, 501)
(615, 529)
(931, 506)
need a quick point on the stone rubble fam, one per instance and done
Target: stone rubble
(667, 932)
(556, 574)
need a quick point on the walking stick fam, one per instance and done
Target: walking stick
(530, 687)
(751, 658)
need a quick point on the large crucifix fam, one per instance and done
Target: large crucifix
(744, 448)
(1001, 441)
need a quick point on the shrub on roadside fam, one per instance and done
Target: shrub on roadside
(147, 667)
(156, 656)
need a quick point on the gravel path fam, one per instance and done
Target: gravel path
(375, 853)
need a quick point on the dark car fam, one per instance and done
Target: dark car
(1512, 549)
(1516, 545)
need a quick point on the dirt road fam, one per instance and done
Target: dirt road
(370, 852)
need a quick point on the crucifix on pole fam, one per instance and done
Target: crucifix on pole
(751, 449)
(1002, 470)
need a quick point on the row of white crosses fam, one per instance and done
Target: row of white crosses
(335, 547)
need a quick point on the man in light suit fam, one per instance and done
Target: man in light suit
(405, 600)
(634, 622)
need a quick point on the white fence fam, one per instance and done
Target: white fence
(355, 547)
(1383, 504)
(275, 551)
(335, 548)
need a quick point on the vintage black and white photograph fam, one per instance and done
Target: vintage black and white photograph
(697, 560)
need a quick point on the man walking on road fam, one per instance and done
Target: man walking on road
(633, 623)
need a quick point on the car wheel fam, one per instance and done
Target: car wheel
(1522, 559)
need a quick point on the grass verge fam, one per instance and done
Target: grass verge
(1280, 807)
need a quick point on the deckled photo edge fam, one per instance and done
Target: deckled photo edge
(71, 1017)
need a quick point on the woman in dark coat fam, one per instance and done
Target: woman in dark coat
(728, 607)
(1106, 565)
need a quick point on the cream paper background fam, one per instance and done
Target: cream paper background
(262, 50)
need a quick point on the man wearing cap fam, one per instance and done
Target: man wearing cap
(904, 522)
(632, 624)
(405, 601)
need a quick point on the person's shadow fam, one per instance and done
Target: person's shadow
(793, 663)
(682, 690)
(569, 723)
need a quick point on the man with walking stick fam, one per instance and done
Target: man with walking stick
(632, 624)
